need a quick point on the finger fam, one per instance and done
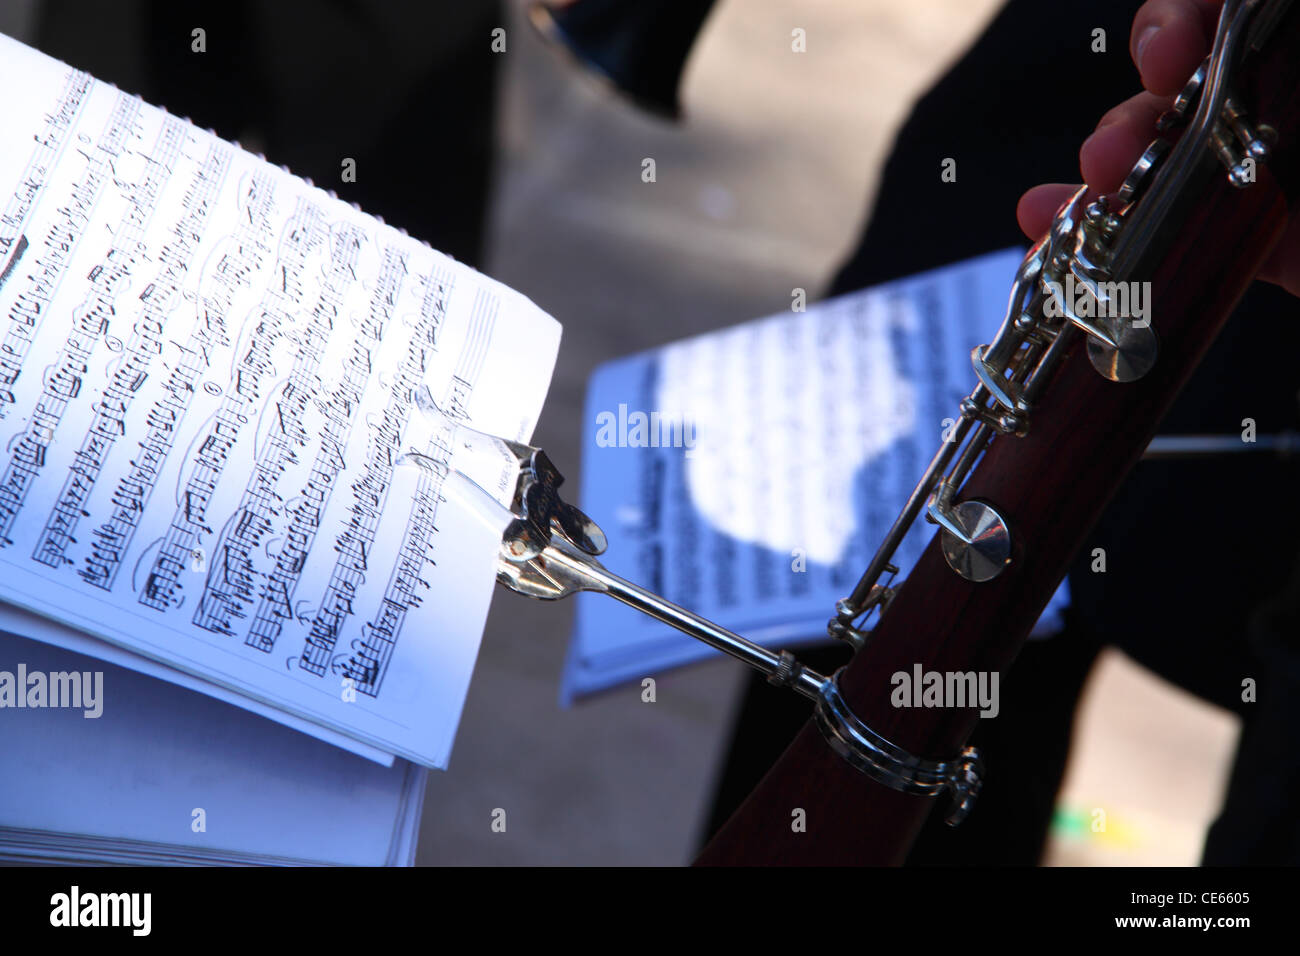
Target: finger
(1169, 40)
(1038, 207)
(1106, 156)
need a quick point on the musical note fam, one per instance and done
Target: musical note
(206, 375)
(146, 337)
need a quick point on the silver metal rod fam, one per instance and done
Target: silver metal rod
(974, 448)
(807, 682)
(1283, 444)
(920, 495)
(1036, 384)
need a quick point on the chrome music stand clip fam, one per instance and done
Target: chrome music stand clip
(549, 551)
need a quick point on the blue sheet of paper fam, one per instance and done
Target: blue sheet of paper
(749, 474)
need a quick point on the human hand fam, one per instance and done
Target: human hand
(1168, 41)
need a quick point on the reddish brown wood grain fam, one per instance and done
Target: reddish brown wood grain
(1051, 486)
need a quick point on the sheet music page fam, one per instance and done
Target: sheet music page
(206, 374)
(16, 621)
(749, 474)
(136, 773)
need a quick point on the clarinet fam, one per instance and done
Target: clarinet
(1068, 395)
(1067, 399)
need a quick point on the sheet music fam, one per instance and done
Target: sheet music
(785, 448)
(121, 789)
(206, 370)
(16, 621)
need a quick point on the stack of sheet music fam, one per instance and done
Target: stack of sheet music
(140, 770)
(207, 372)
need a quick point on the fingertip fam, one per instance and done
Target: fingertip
(1039, 206)
(1166, 56)
(1106, 156)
